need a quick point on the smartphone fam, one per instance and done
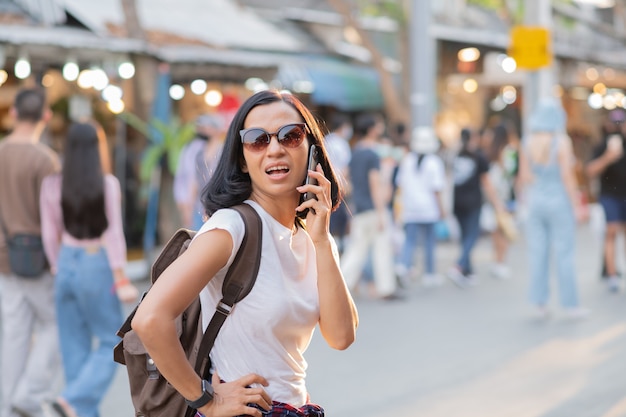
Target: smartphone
(313, 161)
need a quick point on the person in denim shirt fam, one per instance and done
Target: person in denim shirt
(550, 194)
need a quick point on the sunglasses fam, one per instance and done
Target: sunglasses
(290, 136)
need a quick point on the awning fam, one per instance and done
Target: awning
(348, 87)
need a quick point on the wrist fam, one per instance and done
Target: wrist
(204, 399)
(121, 283)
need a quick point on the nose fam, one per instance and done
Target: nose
(274, 145)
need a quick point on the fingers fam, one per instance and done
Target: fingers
(215, 379)
(239, 397)
(253, 379)
(321, 191)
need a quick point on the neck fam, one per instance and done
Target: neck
(369, 141)
(282, 211)
(24, 132)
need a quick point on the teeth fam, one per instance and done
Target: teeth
(277, 168)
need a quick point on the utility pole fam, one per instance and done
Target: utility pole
(539, 83)
(423, 68)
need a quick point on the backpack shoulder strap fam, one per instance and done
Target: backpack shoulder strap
(238, 282)
(174, 247)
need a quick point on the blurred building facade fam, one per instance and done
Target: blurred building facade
(97, 59)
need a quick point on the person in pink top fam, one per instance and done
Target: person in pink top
(84, 242)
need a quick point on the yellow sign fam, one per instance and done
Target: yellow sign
(530, 47)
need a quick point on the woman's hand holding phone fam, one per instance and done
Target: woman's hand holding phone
(316, 198)
(311, 165)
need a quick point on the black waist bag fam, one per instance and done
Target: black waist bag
(26, 255)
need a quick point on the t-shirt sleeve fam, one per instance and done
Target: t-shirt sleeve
(230, 221)
(373, 162)
(598, 150)
(482, 164)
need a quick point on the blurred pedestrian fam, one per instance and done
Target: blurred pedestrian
(502, 172)
(30, 350)
(196, 164)
(339, 153)
(471, 181)
(421, 180)
(609, 165)
(85, 246)
(547, 175)
(371, 225)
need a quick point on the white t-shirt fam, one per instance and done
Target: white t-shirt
(269, 330)
(418, 203)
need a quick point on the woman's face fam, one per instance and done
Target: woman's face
(275, 170)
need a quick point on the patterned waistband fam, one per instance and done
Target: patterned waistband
(286, 410)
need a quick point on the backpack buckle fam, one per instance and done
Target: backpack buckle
(224, 308)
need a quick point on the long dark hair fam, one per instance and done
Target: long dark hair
(82, 190)
(498, 142)
(229, 185)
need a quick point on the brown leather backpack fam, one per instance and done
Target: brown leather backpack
(151, 394)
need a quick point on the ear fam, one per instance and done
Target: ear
(244, 166)
(47, 115)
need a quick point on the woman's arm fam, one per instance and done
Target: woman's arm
(598, 165)
(51, 220)
(338, 314)
(566, 165)
(170, 295)
(114, 241)
(490, 192)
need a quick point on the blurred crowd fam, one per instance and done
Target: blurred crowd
(405, 192)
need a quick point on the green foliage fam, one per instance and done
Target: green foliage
(394, 9)
(488, 4)
(165, 142)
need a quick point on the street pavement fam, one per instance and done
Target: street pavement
(449, 352)
(476, 352)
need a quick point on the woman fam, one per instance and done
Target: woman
(257, 359)
(547, 173)
(502, 171)
(81, 221)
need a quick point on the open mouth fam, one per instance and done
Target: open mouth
(278, 170)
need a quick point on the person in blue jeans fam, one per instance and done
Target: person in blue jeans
(609, 167)
(546, 169)
(81, 221)
(471, 179)
(421, 179)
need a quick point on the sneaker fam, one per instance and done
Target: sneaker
(62, 408)
(540, 313)
(471, 280)
(613, 284)
(432, 280)
(457, 277)
(402, 276)
(394, 296)
(21, 412)
(577, 313)
(500, 271)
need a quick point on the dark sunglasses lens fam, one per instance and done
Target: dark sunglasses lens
(255, 138)
(291, 135)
